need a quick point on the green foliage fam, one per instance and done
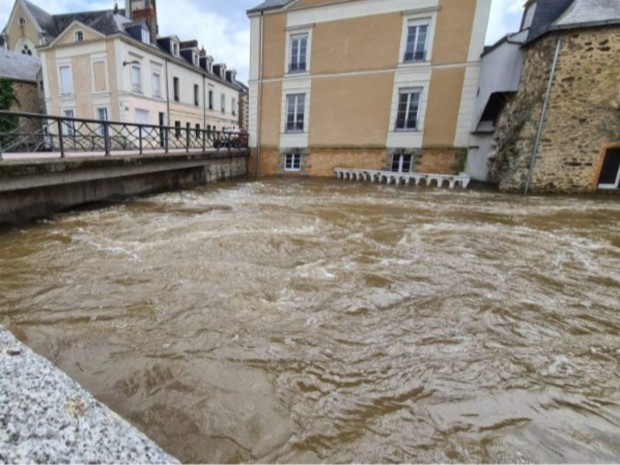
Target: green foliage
(7, 123)
(7, 94)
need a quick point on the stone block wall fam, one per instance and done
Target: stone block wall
(583, 114)
(321, 162)
(27, 97)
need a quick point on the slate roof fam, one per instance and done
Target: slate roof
(106, 21)
(547, 11)
(583, 12)
(269, 5)
(19, 67)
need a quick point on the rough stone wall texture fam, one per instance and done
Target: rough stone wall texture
(583, 114)
(28, 101)
(321, 162)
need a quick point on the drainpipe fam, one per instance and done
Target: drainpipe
(204, 102)
(260, 92)
(167, 97)
(543, 116)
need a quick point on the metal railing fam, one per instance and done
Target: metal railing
(29, 133)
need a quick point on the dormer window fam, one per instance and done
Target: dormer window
(146, 36)
(79, 36)
(175, 49)
(195, 59)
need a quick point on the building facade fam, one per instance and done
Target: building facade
(24, 73)
(112, 65)
(560, 130)
(363, 84)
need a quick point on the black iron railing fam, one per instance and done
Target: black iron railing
(29, 133)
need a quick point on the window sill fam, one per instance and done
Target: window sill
(297, 73)
(294, 133)
(414, 64)
(406, 131)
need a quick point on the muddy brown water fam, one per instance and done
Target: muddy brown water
(284, 321)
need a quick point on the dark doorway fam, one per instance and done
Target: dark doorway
(610, 173)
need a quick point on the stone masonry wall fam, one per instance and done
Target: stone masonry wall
(321, 162)
(583, 114)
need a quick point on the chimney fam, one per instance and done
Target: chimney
(144, 10)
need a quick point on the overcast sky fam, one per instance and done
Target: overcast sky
(223, 28)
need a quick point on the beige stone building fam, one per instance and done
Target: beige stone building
(363, 84)
(560, 131)
(112, 65)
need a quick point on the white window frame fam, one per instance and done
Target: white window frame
(292, 162)
(105, 118)
(156, 84)
(234, 106)
(417, 23)
(69, 127)
(196, 94)
(78, 36)
(418, 19)
(291, 35)
(223, 103)
(298, 96)
(136, 87)
(616, 185)
(145, 35)
(62, 83)
(408, 91)
(401, 162)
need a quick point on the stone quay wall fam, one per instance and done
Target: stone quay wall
(583, 114)
(321, 162)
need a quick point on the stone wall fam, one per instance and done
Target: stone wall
(27, 97)
(321, 162)
(583, 114)
(39, 189)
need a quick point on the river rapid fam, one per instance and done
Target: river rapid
(317, 321)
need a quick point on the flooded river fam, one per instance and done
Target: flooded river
(285, 321)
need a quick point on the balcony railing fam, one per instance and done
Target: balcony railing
(28, 134)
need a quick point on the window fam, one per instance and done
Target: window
(26, 50)
(407, 113)
(234, 106)
(102, 115)
(177, 129)
(223, 103)
(417, 35)
(79, 36)
(402, 163)
(69, 126)
(146, 36)
(295, 105)
(292, 162)
(175, 85)
(156, 85)
(175, 49)
(299, 50)
(22, 21)
(136, 79)
(210, 100)
(196, 99)
(610, 172)
(66, 80)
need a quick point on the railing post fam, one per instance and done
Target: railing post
(1, 150)
(60, 139)
(140, 138)
(204, 143)
(187, 136)
(107, 143)
(166, 136)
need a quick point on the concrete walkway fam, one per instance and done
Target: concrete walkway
(46, 417)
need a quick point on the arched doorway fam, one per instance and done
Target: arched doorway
(609, 176)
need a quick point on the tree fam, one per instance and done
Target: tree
(7, 123)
